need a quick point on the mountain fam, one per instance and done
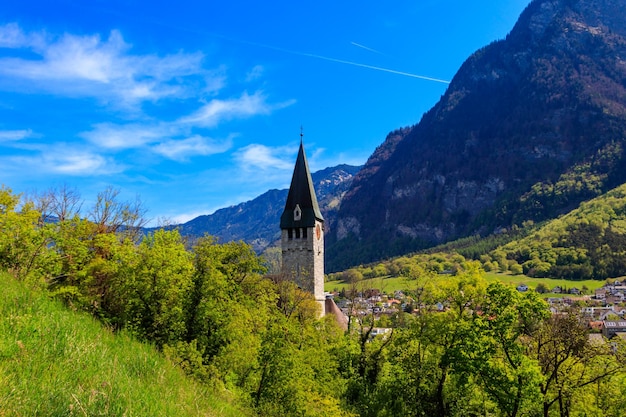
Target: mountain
(257, 221)
(529, 127)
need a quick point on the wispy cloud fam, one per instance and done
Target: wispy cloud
(218, 110)
(181, 150)
(12, 36)
(165, 139)
(14, 135)
(255, 73)
(126, 136)
(78, 163)
(90, 66)
(257, 156)
(172, 139)
(181, 218)
(66, 160)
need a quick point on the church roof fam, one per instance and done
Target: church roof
(301, 194)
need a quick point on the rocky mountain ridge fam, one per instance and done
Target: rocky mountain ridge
(529, 127)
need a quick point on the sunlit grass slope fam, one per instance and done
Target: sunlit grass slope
(389, 284)
(55, 362)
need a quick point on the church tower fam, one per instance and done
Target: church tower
(302, 233)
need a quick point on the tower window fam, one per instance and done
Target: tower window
(304, 233)
(297, 213)
(297, 233)
(290, 233)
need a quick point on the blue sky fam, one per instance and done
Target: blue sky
(193, 106)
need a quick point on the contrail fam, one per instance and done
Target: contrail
(366, 48)
(342, 61)
(356, 64)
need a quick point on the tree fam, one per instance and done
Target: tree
(24, 242)
(516, 269)
(354, 278)
(508, 376)
(58, 204)
(568, 361)
(229, 306)
(294, 302)
(272, 259)
(158, 288)
(111, 215)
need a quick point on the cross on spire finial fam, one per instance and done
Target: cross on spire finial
(301, 133)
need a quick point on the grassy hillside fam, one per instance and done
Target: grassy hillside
(587, 243)
(390, 284)
(54, 362)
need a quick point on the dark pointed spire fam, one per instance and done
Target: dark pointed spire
(302, 195)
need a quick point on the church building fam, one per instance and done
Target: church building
(302, 233)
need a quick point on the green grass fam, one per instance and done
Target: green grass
(389, 284)
(55, 362)
(386, 284)
(548, 282)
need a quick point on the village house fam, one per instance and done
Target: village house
(611, 328)
(378, 331)
(602, 313)
(615, 298)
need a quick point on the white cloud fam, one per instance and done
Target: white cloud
(171, 139)
(255, 73)
(181, 150)
(215, 111)
(257, 156)
(185, 217)
(165, 139)
(65, 160)
(12, 36)
(14, 135)
(134, 135)
(82, 163)
(93, 67)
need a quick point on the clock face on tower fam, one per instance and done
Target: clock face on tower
(318, 232)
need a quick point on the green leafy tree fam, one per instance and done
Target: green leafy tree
(24, 242)
(568, 361)
(158, 288)
(229, 307)
(508, 376)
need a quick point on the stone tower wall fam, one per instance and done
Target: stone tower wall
(303, 259)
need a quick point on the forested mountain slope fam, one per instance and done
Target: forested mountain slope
(589, 242)
(529, 127)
